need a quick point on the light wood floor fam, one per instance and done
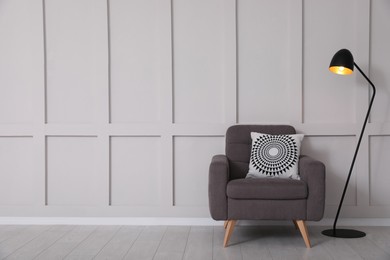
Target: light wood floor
(184, 242)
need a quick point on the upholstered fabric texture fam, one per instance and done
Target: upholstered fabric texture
(262, 188)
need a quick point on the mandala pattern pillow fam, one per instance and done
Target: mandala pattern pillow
(274, 156)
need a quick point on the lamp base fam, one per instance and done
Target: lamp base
(343, 233)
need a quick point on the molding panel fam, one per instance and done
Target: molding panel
(135, 171)
(21, 62)
(73, 177)
(325, 94)
(199, 48)
(137, 60)
(263, 61)
(76, 49)
(16, 177)
(379, 170)
(380, 59)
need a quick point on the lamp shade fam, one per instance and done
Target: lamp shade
(342, 62)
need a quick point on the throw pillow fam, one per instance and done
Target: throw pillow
(274, 155)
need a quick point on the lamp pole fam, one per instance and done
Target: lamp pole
(357, 149)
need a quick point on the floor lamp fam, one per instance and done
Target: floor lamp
(342, 63)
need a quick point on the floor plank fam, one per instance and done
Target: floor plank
(120, 244)
(12, 244)
(380, 236)
(40, 243)
(95, 242)
(233, 250)
(67, 243)
(283, 242)
(146, 245)
(367, 249)
(199, 244)
(317, 251)
(173, 244)
(8, 231)
(252, 243)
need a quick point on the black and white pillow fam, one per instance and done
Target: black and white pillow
(274, 156)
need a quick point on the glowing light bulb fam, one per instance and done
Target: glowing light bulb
(341, 70)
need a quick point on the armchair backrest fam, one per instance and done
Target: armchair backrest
(239, 143)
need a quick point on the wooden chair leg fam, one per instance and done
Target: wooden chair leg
(303, 229)
(295, 224)
(225, 224)
(229, 231)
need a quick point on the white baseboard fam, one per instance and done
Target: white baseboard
(178, 221)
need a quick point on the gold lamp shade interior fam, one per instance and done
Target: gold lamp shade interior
(342, 62)
(341, 70)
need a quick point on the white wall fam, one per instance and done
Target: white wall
(115, 108)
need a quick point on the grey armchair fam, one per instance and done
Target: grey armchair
(232, 197)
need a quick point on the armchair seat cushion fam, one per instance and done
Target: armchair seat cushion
(267, 189)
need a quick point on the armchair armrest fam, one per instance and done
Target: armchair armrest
(313, 173)
(218, 179)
